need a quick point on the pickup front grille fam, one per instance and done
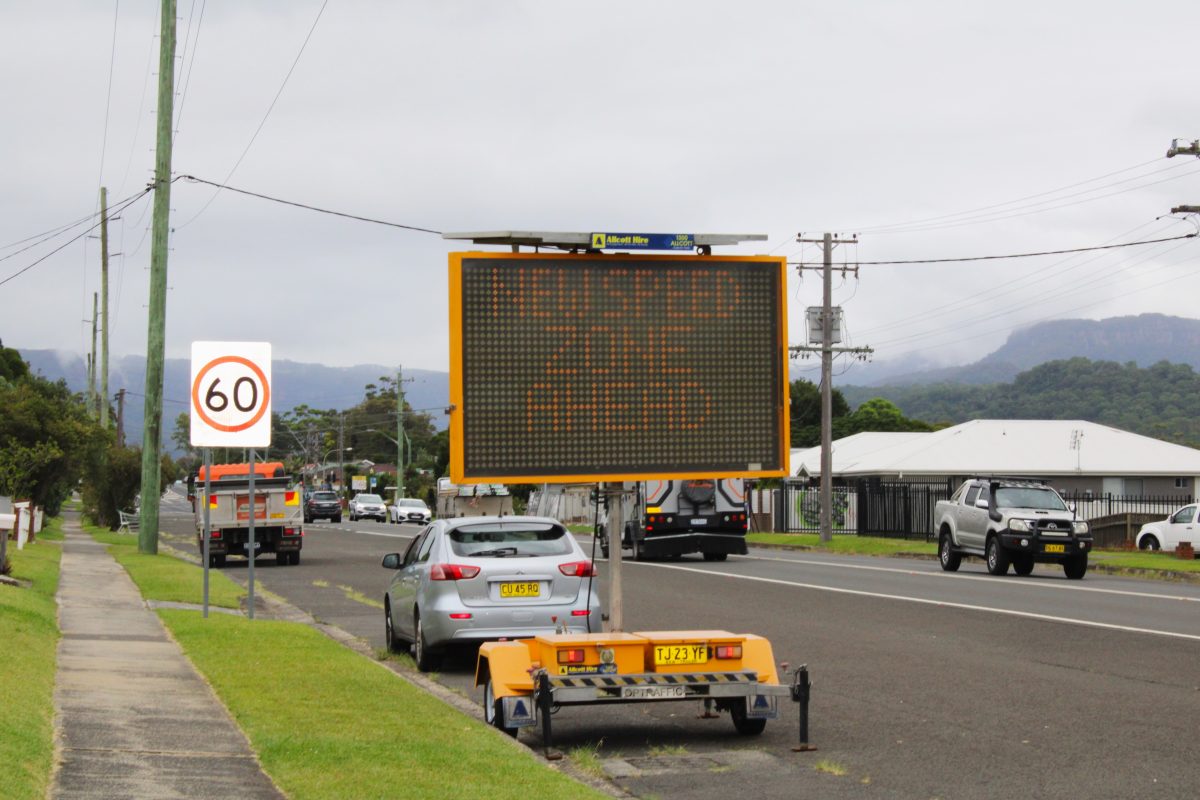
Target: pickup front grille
(1053, 527)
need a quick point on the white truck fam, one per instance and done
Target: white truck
(675, 517)
(278, 512)
(1014, 521)
(473, 499)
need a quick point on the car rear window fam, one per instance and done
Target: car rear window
(324, 496)
(492, 540)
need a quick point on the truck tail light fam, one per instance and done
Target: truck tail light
(728, 651)
(570, 656)
(578, 569)
(214, 534)
(293, 532)
(452, 572)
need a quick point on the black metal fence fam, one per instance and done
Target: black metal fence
(1092, 506)
(901, 509)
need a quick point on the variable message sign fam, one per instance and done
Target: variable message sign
(617, 367)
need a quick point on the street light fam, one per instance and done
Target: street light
(340, 471)
(399, 457)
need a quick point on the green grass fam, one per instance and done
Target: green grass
(28, 644)
(1137, 560)
(166, 578)
(342, 726)
(842, 543)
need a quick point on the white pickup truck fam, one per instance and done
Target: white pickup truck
(1011, 521)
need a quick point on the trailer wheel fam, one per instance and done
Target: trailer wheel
(746, 726)
(493, 710)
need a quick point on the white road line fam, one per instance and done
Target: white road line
(942, 603)
(367, 533)
(1021, 583)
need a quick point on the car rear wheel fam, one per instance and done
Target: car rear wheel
(1150, 542)
(949, 559)
(395, 642)
(997, 558)
(1076, 566)
(427, 661)
(493, 710)
(745, 725)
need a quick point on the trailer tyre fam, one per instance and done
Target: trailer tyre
(493, 710)
(745, 725)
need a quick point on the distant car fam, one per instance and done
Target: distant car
(410, 509)
(470, 579)
(322, 505)
(1168, 533)
(367, 505)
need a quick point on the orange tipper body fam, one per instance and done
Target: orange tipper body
(731, 672)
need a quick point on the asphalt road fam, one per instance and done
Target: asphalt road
(925, 684)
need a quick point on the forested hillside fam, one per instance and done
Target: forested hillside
(1162, 400)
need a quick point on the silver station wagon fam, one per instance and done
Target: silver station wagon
(470, 579)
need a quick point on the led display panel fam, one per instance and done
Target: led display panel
(580, 368)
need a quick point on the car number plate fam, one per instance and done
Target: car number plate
(520, 589)
(652, 692)
(1055, 548)
(666, 655)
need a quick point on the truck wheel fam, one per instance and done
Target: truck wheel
(1076, 566)
(337, 518)
(426, 661)
(282, 559)
(493, 710)
(1023, 564)
(949, 559)
(745, 725)
(997, 558)
(637, 546)
(213, 562)
(220, 561)
(294, 558)
(715, 556)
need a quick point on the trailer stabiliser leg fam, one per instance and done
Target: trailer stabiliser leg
(708, 712)
(801, 691)
(543, 700)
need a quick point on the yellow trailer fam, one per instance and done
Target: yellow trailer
(525, 679)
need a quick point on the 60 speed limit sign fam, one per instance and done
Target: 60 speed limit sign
(231, 394)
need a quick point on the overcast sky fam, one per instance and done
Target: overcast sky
(764, 117)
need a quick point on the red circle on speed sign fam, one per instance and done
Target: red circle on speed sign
(262, 406)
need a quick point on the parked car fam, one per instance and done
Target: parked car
(367, 505)
(410, 509)
(470, 579)
(322, 504)
(1168, 533)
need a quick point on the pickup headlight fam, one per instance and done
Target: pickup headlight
(1079, 527)
(1018, 526)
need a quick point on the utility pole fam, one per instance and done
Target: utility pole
(399, 434)
(104, 307)
(92, 399)
(156, 327)
(827, 350)
(121, 418)
(342, 450)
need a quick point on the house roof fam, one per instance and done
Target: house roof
(1005, 447)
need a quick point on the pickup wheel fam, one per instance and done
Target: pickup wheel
(949, 559)
(1023, 564)
(997, 558)
(744, 724)
(1076, 566)
(1149, 542)
(493, 710)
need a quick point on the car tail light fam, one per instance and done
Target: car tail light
(580, 612)
(728, 651)
(570, 656)
(578, 569)
(452, 572)
(460, 616)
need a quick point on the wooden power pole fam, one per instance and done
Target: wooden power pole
(104, 307)
(156, 329)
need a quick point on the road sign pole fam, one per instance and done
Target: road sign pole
(204, 556)
(250, 552)
(616, 521)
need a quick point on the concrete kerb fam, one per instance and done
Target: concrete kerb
(268, 605)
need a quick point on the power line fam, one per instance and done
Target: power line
(270, 108)
(1014, 255)
(194, 179)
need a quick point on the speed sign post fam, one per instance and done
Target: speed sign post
(230, 407)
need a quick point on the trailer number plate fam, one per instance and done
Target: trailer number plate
(666, 655)
(651, 692)
(522, 589)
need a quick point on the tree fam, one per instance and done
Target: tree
(877, 414)
(806, 412)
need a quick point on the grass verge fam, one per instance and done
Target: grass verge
(166, 578)
(341, 726)
(847, 545)
(28, 645)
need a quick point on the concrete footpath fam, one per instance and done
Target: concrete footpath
(133, 719)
